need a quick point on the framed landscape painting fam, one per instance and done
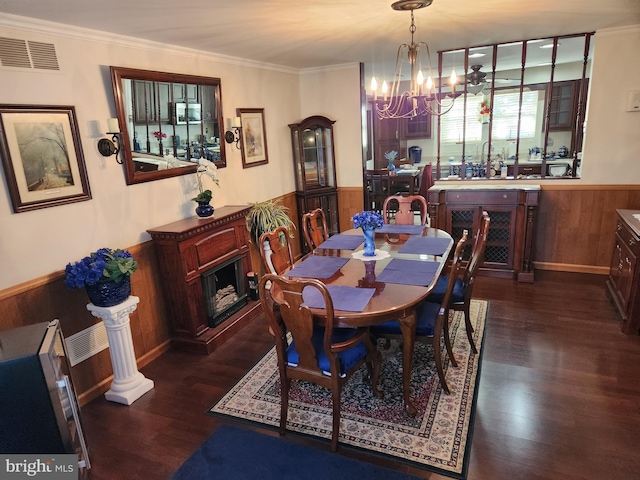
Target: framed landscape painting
(254, 138)
(42, 156)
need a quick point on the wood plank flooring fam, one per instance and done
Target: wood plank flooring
(559, 393)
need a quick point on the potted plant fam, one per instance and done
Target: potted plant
(265, 217)
(208, 168)
(105, 275)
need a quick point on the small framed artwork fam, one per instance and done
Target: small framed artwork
(42, 156)
(254, 137)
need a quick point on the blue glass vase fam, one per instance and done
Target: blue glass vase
(108, 294)
(369, 245)
(204, 209)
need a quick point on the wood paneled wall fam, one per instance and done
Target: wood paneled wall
(576, 226)
(575, 232)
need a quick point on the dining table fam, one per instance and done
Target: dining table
(367, 291)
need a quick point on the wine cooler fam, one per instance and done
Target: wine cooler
(39, 411)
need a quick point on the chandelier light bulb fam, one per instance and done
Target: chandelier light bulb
(420, 80)
(385, 88)
(374, 88)
(429, 83)
(453, 78)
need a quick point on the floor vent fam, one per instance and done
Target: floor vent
(86, 343)
(27, 54)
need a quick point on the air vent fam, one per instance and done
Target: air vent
(43, 55)
(86, 343)
(22, 54)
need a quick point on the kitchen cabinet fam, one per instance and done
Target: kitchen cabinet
(512, 209)
(151, 102)
(185, 93)
(623, 285)
(392, 134)
(315, 170)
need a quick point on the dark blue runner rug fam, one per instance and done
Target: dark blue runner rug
(237, 453)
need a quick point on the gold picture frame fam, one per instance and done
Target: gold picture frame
(253, 137)
(42, 156)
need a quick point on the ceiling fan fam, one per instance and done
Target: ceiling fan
(477, 81)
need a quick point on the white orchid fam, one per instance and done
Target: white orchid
(208, 168)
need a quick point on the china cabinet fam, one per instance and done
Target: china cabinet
(624, 276)
(512, 210)
(315, 169)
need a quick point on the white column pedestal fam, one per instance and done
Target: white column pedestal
(128, 383)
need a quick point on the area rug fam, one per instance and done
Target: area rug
(436, 439)
(225, 453)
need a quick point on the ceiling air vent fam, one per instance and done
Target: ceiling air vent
(22, 54)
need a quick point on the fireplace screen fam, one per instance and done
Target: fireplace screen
(224, 291)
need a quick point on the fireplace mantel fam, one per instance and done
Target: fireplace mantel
(188, 248)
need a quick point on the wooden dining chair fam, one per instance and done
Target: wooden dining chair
(377, 189)
(314, 227)
(460, 300)
(275, 250)
(432, 319)
(321, 354)
(401, 209)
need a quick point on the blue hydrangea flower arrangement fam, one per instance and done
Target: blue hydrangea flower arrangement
(103, 265)
(367, 220)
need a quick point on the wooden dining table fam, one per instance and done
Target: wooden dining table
(388, 280)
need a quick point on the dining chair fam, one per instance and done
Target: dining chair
(314, 227)
(460, 300)
(307, 350)
(431, 319)
(400, 208)
(275, 250)
(377, 188)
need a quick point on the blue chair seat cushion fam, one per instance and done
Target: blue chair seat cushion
(426, 313)
(347, 358)
(437, 295)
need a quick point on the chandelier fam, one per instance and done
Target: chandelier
(423, 97)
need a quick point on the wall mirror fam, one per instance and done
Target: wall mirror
(520, 111)
(167, 121)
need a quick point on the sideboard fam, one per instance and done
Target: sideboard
(192, 254)
(458, 206)
(623, 285)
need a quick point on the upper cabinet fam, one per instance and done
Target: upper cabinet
(391, 134)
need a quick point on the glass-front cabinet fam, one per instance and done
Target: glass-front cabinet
(314, 164)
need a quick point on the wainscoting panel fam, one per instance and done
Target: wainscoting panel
(576, 225)
(350, 202)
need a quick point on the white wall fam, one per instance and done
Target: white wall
(335, 93)
(40, 242)
(612, 137)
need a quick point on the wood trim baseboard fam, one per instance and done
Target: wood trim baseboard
(100, 388)
(568, 267)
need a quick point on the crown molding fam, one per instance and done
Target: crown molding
(605, 32)
(80, 33)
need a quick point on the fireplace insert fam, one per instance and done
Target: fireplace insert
(224, 290)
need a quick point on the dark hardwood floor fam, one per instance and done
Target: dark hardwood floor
(559, 393)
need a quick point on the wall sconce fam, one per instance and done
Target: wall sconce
(108, 147)
(233, 136)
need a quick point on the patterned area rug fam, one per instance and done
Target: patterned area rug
(437, 438)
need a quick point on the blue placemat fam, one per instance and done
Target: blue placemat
(342, 242)
(408, 272)
(406, 229)
(425, 245)
(351, 299)
(317, 266)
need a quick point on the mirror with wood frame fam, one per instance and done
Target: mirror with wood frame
(168, 121)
